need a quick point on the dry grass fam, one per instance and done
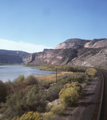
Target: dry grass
(52, 77)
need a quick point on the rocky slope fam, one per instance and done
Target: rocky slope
(92, 57)
(75, 52)
(96, 43)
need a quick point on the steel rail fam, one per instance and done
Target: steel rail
(103, 98)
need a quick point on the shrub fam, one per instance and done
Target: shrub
(29, 116)
(8, 85)
(69, 95)
(49, 107)
(20, 80)
(46, 85)
(21, 102)
(53, 92)
(58, 109)
(91, 72)
(79, 77)
(3, 92)
(49, 116)
(30, 80)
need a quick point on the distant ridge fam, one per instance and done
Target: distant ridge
(72, 51)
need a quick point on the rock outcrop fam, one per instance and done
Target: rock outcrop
(72, 43)
(96, 43)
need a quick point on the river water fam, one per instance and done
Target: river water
(11, 72)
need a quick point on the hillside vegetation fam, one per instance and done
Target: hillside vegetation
(34, 98)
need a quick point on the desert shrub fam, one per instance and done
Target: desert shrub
(91, 72)
(46, 85)
(74, 85)
(9, 85)
(69, 95)
(29, 116)
(30, 80)
(2, 108)
(79, 77)
(49, 116)
(21, 102)
(58, 109)
(20, 80)
(49, 107)
(63, 79)
(53, 92)
(72, 68)
(3, 92)
(75, 77)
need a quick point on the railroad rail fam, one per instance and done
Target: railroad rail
(101, 107)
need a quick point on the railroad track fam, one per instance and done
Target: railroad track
(101, 107)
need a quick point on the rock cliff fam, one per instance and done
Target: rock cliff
(75, 52)
(53, 56)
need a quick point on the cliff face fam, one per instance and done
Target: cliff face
(75, 52)
(53, 56)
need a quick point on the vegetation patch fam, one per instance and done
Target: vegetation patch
(28, 98)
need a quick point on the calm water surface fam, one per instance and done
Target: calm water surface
(11, 72)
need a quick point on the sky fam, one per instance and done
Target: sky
(33, 25)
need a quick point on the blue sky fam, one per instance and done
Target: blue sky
(32, 25)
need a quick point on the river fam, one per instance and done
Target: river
(11, 72)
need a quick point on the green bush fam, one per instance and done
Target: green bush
(8, 85)
(30, 80)
(21, 102)
(77, 77)
(20, 80)
(53, 92)
(29, 116)
(3, 92)
(46, 85)
(58, 109)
